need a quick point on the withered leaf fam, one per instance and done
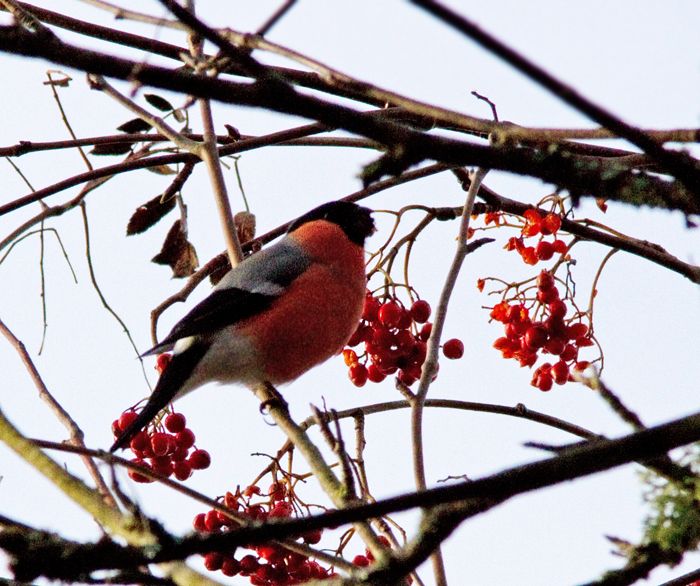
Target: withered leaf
(178, 253)
(111, 148)
(161, 170)
(157, 102)
(134, 125)
(219, 267)
(149, 214)
(233, 132)
(245, 226)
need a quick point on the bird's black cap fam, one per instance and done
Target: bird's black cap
(354, 220)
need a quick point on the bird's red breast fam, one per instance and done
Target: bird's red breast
(319, 312)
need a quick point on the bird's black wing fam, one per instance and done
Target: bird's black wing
(222, 308)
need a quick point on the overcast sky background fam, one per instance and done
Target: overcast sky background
(639, 59)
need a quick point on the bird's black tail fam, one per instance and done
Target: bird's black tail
(169, 384)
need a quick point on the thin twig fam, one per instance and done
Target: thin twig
(76, 434)
(277, 409)
(210, 156)
(679, 164)
(93, 279)
(275, 18)
(430, 364)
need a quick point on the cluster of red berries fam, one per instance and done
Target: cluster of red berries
(524, 338)
(395, 340)
(365, 560)
(535, 224)
(271, 564)
(167, 454)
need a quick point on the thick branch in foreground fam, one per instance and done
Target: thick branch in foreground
(576, 462)
(408, 146)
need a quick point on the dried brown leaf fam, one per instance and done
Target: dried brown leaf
(149, 214)
(177, 253)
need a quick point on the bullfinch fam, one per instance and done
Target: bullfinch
(277, 314)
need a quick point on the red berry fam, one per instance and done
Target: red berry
(231, 501)
(349, 357)
(556, 328)
(418, 353)
(360, 560)
(136, 477)
(545, 281)
(536, 336)
(281, 510)
(256, 512)
(500, 312)
(404, 341)
(581, 366)
(140, 442)
(358, 375)
(551, 224)
(382, 337)
(199, 523)
(549, 296)
(277, 491)
(313, 537)
(182, 470)
(560, 372)
(420, 311)
(199, 460)
(249, 491)
(528, 360)
(425, 332)
(555, 346)
(179, 454)
(584, 342)
(545, 250)
(374, 374)
(213, 561)
(230, 567)
(559, 246)
(557, 309)
(544, 382)
(386, 365)
(162, 444)
(532, 216)
(264, 573)
(532, 229)
(406, 378)
(517, 329)
(517, 313)
(390, 314)
(268, 552)
(162, 362)
(162, 465)
(212, 521)
(453, 349)
(569, 353)
(371, 308)
(529, 255)
(175, 422)
(126, 419)
(358, 336)
(577, 330)
(405, 321)
(248, 565)
(185, 439)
